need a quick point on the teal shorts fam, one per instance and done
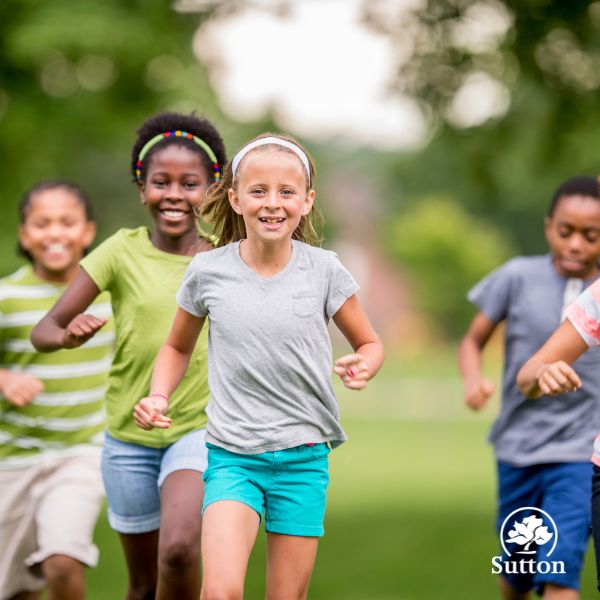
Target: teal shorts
(288, 485)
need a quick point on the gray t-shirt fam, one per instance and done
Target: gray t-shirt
(269, 352)
(527, 294)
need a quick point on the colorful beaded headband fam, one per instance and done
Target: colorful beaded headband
(161, 136)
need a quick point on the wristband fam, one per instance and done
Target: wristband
(160, 396)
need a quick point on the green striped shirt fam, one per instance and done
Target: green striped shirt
(68, 416)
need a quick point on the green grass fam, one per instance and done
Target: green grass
(410, 515)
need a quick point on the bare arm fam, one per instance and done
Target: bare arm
(477, 389)
(65, 326)
(170, 366)
(19, 388)
(356, 369)
(549, 370)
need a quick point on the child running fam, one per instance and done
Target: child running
(153, 479)
(549, 373)
(542, 448)
(272, 415)
(51, 408)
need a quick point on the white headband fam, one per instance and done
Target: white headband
(271, 140)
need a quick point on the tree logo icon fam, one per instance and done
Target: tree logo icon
(528, 529)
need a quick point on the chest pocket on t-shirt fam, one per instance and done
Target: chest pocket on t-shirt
(305, 304)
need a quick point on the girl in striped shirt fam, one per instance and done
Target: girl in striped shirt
(51, 407)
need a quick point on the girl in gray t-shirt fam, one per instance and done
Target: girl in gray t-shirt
(273, 416)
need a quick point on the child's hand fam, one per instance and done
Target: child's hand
(81, 329)
(151, 412)
(557, 378)
(20, 388)
(353, 371)
(477, 393)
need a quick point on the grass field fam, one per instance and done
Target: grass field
(411, 504)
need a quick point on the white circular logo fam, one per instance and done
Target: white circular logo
(526, 534)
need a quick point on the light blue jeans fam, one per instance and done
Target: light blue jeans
(133, 475)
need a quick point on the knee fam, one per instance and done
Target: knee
(219, 591)
(59, 570)
(178, 554)
(141, 591)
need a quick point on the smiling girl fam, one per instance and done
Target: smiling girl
(51, 407)
(152, 479)
(273, 416)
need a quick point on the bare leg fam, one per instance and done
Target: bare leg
(141, 551)
(508, 592)
(290, 561)
(65, 577)
(558, 592)
(179, 539)
(228, 534)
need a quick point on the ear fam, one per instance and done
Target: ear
(309, 200)
(234, 201)
(23, 238)
(142, 191)
(89, 234)
(548, 228)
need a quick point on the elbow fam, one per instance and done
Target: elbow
(38, 339)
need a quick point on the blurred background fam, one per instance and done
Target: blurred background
(440, 129)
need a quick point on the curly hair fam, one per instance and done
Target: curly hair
(172, 121)
(229, 226)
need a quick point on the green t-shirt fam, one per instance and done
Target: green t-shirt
(67, 418)
(142, 282)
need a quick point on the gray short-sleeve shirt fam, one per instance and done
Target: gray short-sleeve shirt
(269, 351)
(527, 294)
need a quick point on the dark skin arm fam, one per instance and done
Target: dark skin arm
(65, 325)
(477, 388)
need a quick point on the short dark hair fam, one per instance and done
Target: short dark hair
(52, 184)
(582, 185)
(172, 121)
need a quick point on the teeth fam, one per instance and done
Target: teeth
(173, 213)
(56, 248)
(265, 220)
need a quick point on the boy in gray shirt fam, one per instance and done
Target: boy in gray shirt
(542, 447)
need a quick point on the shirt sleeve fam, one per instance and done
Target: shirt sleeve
(341, 285)
(101, 263)
(189, 295)
(584, 314)
(492, 294)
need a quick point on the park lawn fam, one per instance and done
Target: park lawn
(410, 517)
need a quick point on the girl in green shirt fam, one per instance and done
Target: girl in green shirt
(152, 479)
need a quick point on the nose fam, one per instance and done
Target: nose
(174, 191)
(576, 243)
(271, 200)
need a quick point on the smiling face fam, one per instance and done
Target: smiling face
(573, 234)
(176, 180)
(271, 194)
(56, 233)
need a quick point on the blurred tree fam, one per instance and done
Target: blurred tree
(445, 250)
(510, 91)
(76, 79)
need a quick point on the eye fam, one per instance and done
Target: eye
(564, 232)
(159, 183)
(591, 237)
(191, 185)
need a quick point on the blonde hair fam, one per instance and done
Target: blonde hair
(228, 226)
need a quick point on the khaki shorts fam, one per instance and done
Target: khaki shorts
(47, 509)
